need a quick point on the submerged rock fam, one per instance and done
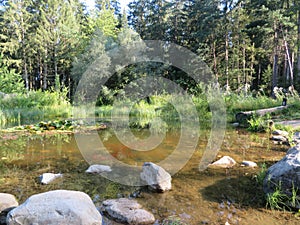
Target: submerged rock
(47, 178)
(224, 162)
(7, 203)
(285, 175)
(156, 177)
(98, 169)
(249, 163)
(127, 211)
(56, 207)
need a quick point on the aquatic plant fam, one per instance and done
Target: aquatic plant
(260, 176)
(294, 199)
(173, 220)
(276, 199)
(279, 199)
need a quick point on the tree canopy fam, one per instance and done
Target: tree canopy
(250, 45)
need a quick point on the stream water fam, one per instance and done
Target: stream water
(213, 196)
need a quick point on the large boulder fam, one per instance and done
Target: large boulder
(56, 207)
(7, 203)
(156, 177)
(285, 175)
(127, 211)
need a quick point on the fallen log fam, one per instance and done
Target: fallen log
(242, 117)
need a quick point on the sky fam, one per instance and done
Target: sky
(90, 3)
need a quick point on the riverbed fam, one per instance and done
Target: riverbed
(211, 196)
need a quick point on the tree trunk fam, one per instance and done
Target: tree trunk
(275, 61)
(215, 60)
(244, 68)
(242, 117)
(227, 60)
(290, 66)
(298, 44)
(45, 71)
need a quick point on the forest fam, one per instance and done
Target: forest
(250, 45)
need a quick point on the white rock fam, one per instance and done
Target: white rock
(56, 207)
(156, 177)
(47, 178)
(249, 164)
(224, 162)
(7, 201)
(127, 211)
(98, 169)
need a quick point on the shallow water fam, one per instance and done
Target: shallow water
(212, 196)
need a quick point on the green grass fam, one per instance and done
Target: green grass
(260, 176)
(33, 107)
(43, 106)
(277, 199)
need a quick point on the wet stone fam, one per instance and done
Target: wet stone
(224, 162)
(156, 177)
(285, 174)
(126, 211)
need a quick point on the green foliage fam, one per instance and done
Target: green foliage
(277, 199)
(258, 123)
(63, 125)
(238, 102)
(34, 106)
(261, 175)
(10, 81)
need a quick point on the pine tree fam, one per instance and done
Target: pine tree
(16, 25)
(56, 39)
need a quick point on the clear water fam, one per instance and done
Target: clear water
(213, 196)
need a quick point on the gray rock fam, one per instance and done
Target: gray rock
(156, 177)
(224, 162)
(127, 211)
(98, 169)
(279, 138)
(56, 207)
(47, 178)
(235, 124)
(281, 133)
(296, 137)
(249, 164)
(285, 174)
(7, 203)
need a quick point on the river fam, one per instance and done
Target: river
(211, 196)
